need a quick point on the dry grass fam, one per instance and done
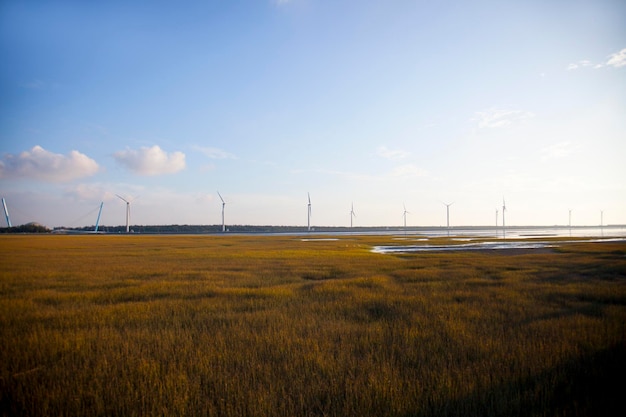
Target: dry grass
(269, 326)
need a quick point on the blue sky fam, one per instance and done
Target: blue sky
(376, 103)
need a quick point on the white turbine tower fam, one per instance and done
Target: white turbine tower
(602, 222)
(223, 206)
(308, 219)
(570, 222)
(404, 215)
(448, 216)
(127, 212)
(352, 214)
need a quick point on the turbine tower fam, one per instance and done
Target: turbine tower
(127, 212)
(448, 216)
(570, 222)
(223, 205)
(503, 223)
(308, 219)
(98, 219)
(602, 222)
(404, 215)
(6, 212)
(352, 214)
(497, 212)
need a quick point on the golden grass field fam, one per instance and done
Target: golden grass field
(105, 325)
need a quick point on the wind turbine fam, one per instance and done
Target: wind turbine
(223, 205)
(570, 222)
(602, 222)
(448, 216)
(127, 211)
(503, 223)
(352, 214)
(404, 215)
(6, 212)
(308, 219)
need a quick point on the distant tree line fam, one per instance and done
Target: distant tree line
(213, 229)
(26, 228)
(217, 229)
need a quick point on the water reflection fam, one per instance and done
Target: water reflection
(482, 246)
(463, 247)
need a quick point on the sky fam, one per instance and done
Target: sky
(378, 105)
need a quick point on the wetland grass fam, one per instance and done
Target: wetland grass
(273, 326)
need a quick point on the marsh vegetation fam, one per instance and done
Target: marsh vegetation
(269, 326)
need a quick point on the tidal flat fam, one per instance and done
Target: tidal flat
(135, 325)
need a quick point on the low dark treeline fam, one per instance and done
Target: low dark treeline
(26, 228)
(199, 229)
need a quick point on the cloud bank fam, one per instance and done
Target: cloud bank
(40, 164)
(150, 161)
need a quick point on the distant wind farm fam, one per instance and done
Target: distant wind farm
(499, 228)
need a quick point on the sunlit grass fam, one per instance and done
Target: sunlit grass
(264, 326)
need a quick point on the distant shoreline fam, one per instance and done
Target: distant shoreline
(485, 231)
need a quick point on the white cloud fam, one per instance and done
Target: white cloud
(407, 171)
(559, 150)
(214, 153)
(495, 118)
(43, 165)
(393, 154)
(90, 192)
(151, 161)
(398, 172)
(579, 64)
(617, 59)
